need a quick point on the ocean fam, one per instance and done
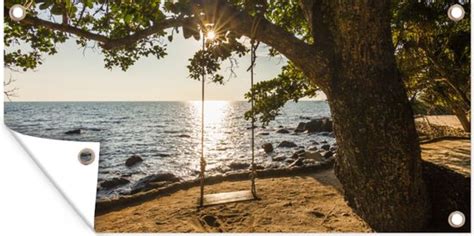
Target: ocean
(166, 135)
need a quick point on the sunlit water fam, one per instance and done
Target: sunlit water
(166, 135)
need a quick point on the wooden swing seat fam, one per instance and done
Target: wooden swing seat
(227, 197)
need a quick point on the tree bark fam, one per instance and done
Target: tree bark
(378, 160)
(462, 117)
(457, 108)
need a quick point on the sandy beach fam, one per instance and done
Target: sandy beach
(441, 120)
(309, 203)
(454, 154)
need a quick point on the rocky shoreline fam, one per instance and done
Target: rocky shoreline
(105, 206)
(301, 156)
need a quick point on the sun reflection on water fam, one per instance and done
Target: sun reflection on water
(214, 111)
(216, 122)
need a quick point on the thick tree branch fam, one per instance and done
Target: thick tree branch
(31, 20)
(168, 23)
(295, 49)
(237, 21)
(105, 42)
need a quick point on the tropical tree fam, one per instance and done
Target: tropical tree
(343, 48)
(433, 53)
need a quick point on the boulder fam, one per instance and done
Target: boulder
(309, 162)
(287, 144)
(274, 166)
(154, 181)
(263, 133)
(300, 128)
(326, 147)
(133, 160)
(319, 125)
(327, 154)
(295, 156)
(313, 155)
(300, 152)
(258, 167)
(238, 165)
(163, 155)
(313, 148)
(94, 129)
(279, 158)
(267, 147)
(112, 183)
(222, 169)
(314, 142)
(169, 177)
(184, 136)
(74, 132)
(283, 131)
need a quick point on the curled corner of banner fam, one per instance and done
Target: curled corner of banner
(73, 174)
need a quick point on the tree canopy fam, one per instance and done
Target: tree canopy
(433, 54)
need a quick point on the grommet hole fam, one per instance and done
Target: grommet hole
(86, 156)
(456, 219)
(17, 12)
(456, 12)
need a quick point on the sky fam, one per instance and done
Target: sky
(77, 75)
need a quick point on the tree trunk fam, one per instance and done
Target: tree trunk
(462, 117)
(457, 109)
(378, 160)
(459, 112)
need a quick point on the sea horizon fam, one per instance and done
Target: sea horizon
(207, 100)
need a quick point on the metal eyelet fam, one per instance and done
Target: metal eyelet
(17, 12)
(86, 156)
(456, 12)
(456, 219)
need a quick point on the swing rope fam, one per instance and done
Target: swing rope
(253, 58)
(203, 161)
(253, 173)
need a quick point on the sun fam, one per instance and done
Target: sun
(211, 35)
